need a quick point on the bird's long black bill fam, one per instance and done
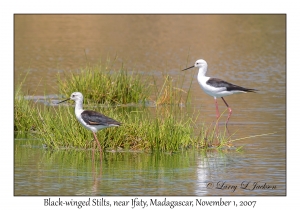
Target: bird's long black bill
(188, 68)
(63, 101)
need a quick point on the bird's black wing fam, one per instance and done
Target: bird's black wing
(230, 87)
(96, 118)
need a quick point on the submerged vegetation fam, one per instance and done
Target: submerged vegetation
(166, 126)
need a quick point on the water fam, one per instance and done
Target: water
(42, 172)
(247, 50)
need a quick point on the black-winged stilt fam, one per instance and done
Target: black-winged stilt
(216, 88)
(91, 120)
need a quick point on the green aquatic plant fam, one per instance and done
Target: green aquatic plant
(101, 84)
(24, 113)
(139, 131)
(162, 128)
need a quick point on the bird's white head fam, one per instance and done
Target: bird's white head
(200, 63)
(76, 96)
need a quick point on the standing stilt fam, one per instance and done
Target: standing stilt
(91, 120)
(216, 87)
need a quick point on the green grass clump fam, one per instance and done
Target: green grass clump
(60, 129)
(102, 85)
(166, 129)
(139, 131)
(24, 113)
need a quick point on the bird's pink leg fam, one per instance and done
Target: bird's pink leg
(93, 155)
(217, 109)
(98, 145)
(230, 111)
(97, 142)
(218, 114)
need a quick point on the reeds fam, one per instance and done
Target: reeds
(23, 112)
(101, 84)
(164, 129)
(140, 131)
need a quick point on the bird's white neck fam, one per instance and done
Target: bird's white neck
(202, 71)
(78, 106)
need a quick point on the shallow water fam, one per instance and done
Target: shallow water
(247, 50)
(42, 172)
